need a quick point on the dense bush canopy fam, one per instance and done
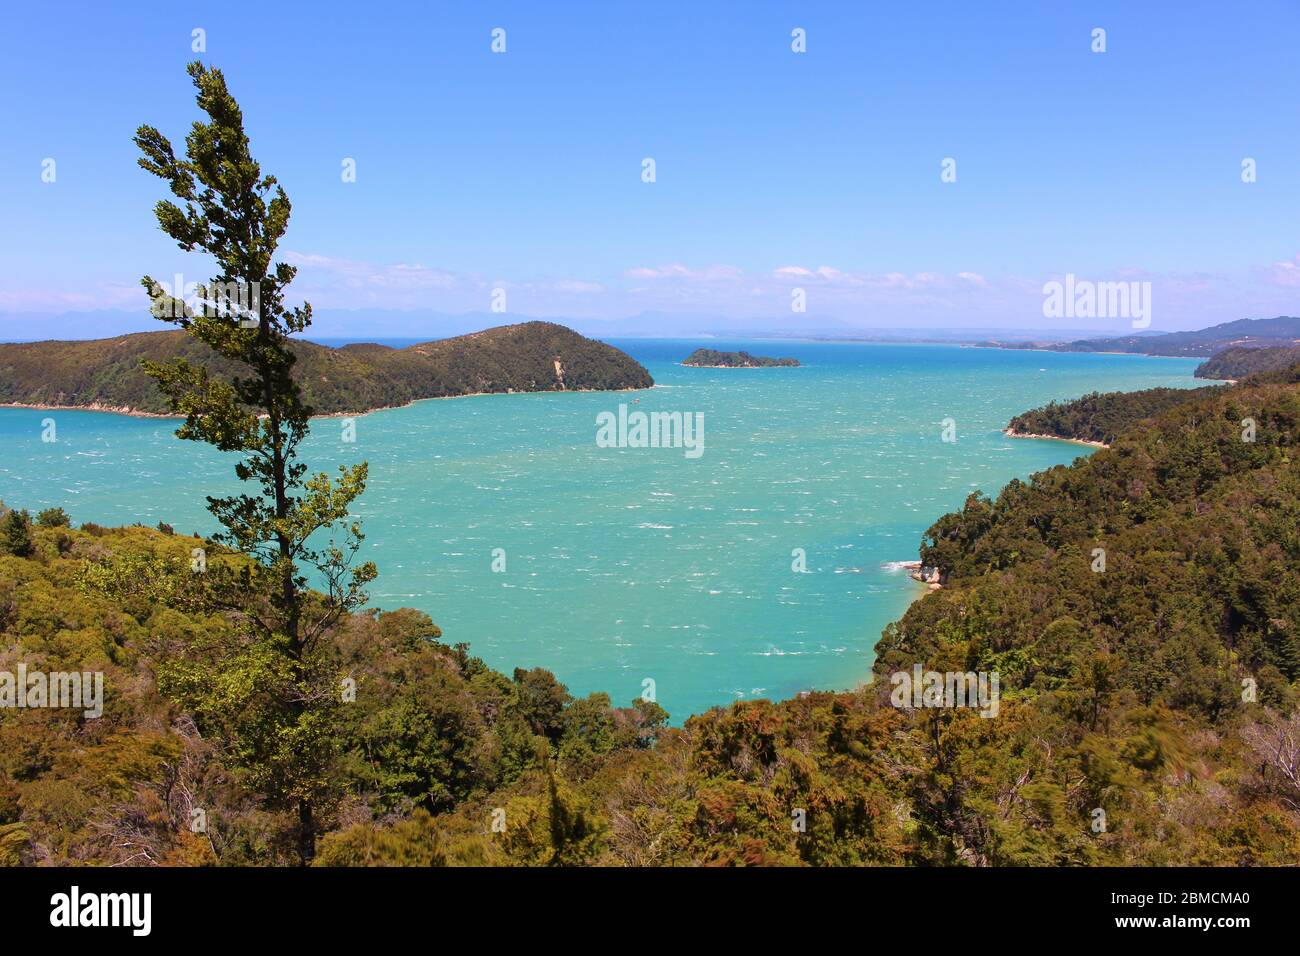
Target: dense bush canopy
(1238, 363)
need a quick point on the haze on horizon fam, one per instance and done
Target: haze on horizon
(774, 170)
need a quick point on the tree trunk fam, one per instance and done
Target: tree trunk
(306, 833)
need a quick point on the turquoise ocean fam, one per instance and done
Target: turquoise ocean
(627, 565)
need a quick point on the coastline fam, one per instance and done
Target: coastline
(130, 412)
(1074, 441)
(1026, 348)
(126, 410)
(916, 571)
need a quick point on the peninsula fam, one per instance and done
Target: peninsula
(105, 374)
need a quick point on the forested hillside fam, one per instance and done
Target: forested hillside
(429, 728)
(1141, 606)
(1238, 363)
(354, 378)
(1100, 416)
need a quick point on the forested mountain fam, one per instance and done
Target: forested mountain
(1141, 606)
(1237, 363)
(355, 378)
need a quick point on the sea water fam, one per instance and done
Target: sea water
(764, 566)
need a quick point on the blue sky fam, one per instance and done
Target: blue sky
(774, 169)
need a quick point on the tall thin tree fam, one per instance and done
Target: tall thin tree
(228, 209)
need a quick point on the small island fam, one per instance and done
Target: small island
(711, 358)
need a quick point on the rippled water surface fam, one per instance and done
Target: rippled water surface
(627, 564)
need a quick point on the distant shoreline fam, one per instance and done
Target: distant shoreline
(1025, 348)
(129, 412)
(686, 365)
(125, 410)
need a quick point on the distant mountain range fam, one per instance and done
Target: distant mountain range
(422, 325)
(528, 357)
(360, 325)
(1280, 332)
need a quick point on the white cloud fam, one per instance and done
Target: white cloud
(714, 273)
(846, 279)
(852, 297)
(393, 276)
(569, 285)
(1285, 273)
(99, 295)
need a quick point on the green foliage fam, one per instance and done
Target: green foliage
(541, 702)
(410, 842)
(1101, 417)
(15, 533)
(13, 842)
(53, 518)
